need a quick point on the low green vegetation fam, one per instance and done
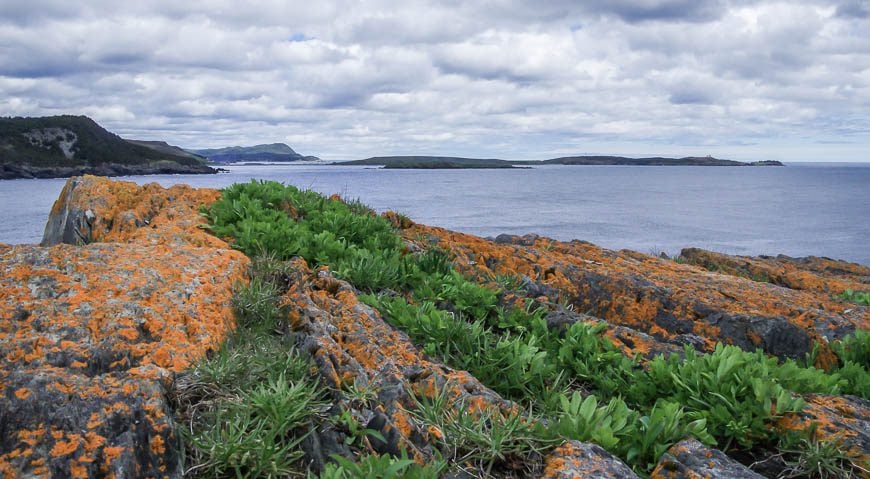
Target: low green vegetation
(569, 384)
(381, 467)
(860, 297)
(803, 455)
(249, 406)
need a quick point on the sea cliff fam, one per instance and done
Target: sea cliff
(103, 324)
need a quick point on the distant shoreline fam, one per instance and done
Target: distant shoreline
(448, 162)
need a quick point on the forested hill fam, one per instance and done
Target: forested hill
(60, 146)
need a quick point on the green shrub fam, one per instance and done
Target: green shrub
(595, 360)
(666, 424)
(854, 348)
(737, 395)
(610, 426)
(381, 467)
(860, 297)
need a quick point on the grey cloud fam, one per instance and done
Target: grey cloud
(648, 10)
(690, 96)
(853, 9)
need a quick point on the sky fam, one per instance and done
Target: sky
(745, 80)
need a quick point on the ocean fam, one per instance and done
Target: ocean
(798, 210)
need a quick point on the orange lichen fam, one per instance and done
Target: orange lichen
(112, 452)
(157, 445)
(62, 448)
(821, 275)
(77, 469)
(152, 297)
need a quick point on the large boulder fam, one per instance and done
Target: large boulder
(91, 336)
(93, 209)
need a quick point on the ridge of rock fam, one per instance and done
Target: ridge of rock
(659, 297)
(91, 336)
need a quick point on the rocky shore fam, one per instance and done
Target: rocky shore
(15, 171)
(127, 291)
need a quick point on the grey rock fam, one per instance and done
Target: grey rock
(690, 459)
(579, 460)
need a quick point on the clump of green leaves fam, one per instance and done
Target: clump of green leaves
(257, 435)
(854, 348)
(381, 467)
(803, 454)
(860, 297)
(736, 395)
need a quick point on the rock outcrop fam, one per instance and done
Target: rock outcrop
(92, 209)
(823, 275)
(671, 302)
(127, 290)
(91, 336)
(841, 419)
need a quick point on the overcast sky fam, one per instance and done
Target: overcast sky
(497, 78)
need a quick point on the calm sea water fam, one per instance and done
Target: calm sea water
(798, 210)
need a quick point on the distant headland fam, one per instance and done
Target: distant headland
(69, 145)
(62, 146)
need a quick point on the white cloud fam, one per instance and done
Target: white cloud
(343, 80)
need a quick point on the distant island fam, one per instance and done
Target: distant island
(430, 162)
(651, 161)
(62, 146)
(271, 153)
(449, 162)
(67, 145)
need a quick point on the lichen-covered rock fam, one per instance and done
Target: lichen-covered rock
(841, 419)
(672, 302)
(578, 460)
(812, 273)
(630, 341)
(353, 346)
(91, 336)
(93, 209)
(690, 459)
